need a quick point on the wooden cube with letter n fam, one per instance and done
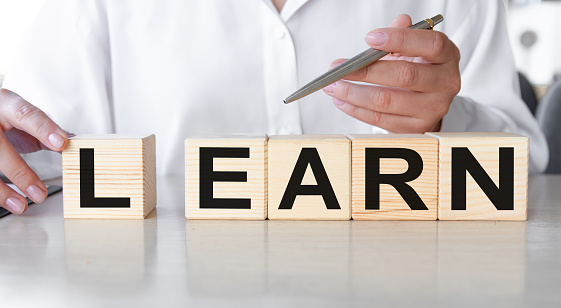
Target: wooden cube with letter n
(482, 176)
(109, 176)
(309, 177)
(226, 177)
(395, 177)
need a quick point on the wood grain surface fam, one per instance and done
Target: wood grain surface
(124, 167)
(255, 166)
(392, 204)
(485, 148)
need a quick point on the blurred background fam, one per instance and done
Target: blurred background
(15, 17)
(533, 35)
(535, 40)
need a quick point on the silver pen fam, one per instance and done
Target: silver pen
(357, 62)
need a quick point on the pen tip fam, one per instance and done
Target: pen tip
(284, 101)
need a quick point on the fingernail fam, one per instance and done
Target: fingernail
(15, 205)
(376, 38)
(338, 102)
(330, 89)
(36, 194)
(56, 140)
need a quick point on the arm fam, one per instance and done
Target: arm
(419, 90)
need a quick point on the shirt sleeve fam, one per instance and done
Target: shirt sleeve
(63, 67)
(490, 96)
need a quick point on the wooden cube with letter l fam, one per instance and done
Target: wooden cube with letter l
(309, 177)
(394, 177)
(482, 176)
(226, 177)
(109, 176)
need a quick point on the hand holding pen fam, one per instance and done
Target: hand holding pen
(414, 89)
(411, 93)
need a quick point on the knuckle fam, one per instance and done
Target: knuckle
(345, 91)
(457, 53)
(398, 38)
(453, 82)
(363, 73)
(20, 174)
(383, 99)
(375, 118)
(352, 110)
(408, 75)
(456, 84)
(438, 42)
(438, 111)
(25, 111)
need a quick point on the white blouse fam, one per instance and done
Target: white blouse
(176, 68)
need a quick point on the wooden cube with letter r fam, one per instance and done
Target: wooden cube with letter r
(109, 176)
(226, 177)
(395, 177)
(482, 176)
(309, 177)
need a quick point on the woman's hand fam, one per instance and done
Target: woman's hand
(411, 91)
(24, 129)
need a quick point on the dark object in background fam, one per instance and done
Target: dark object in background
(51, 189)
(528, 93)
(549, 118)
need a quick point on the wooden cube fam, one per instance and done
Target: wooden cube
(394, 177)
(226, 177)
(109, 176)
(309, 177)
(482, 176)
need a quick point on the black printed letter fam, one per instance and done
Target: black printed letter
(502, 197)
(207, 177)
(294, 188)
(87, 186)
(398, 181)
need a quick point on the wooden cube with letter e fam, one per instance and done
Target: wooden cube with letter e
(226, 177)
(109, 176)
(309, 177)
(482, 176)
(394, 177)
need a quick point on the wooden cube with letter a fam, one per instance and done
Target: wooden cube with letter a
(482, 176)
(226, 177)
(309, 177)
(394, 177)
(109, 176)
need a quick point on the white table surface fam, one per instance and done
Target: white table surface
(167, 261)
